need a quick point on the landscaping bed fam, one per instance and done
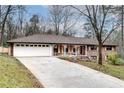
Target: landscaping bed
(113, 70)
(15, 75)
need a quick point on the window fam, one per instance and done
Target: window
(109, 48)
(43, 45)
(94, 57)
(22, 45)
(93, 47)
(39, 45)
(47, 45)
(27, 45)
(73, 49)
(66, 49)
(35, 45)
(18, 45)
(31, 45)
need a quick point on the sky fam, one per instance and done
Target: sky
(42, 10)
(37, 9)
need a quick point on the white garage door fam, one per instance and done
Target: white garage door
(32, 50)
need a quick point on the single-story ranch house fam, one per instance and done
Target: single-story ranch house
(56, 45)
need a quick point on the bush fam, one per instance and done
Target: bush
(112, 58)
(119, 61)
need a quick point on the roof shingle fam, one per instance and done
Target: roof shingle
(53, 39)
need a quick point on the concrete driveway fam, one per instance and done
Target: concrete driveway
(53, 72)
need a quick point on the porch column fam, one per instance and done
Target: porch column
(65, 50)
(58, 48)
(10, 50)
(85, 49)
(76, 50)
(62, 49)
(69, 50)
(53, 52)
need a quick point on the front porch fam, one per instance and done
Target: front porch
(69, 50)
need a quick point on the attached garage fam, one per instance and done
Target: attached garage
(53, 45)
(20, 50)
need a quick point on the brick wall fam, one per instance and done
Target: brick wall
(93, 53)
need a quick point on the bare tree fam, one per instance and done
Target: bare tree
(56, 17)
(26, 29)
(10, 29)
(44, 24)
(63, 19)
(119, 10)
(6, 13)
(100, 18)
(70, 19)
(0, 16)
(21, 10)
(89, 33)
(122, 23)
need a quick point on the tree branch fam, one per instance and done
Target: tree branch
(79, 10)
(112, 30)
(104, 17)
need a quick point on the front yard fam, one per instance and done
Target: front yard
(13, 74)
(113, 70)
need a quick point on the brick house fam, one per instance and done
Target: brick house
(56, 45)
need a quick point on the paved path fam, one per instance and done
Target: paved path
(54, 72)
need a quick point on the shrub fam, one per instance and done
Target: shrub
(119, 61)
(112, 58)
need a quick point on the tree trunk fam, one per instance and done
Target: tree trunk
(3, 25)
(122, 27)
(100, 53)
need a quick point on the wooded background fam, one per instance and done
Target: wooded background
(103, 22)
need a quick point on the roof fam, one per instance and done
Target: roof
(54, 39)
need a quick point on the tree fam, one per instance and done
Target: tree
(100, 18)
(6, 13)
(49, 31)
(89, 33)
(56, 17)
(20, 19)
(9, 21)
(26, 29)
(63, 19)
(44, 24)
(34, 23)
(122, 24)
(33, 26)
(10, 30)
(119, 10)
(70, 19)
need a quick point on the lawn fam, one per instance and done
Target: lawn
(113, 70)
(15, 75)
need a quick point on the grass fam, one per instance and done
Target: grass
(113, 70)
(15, 75)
